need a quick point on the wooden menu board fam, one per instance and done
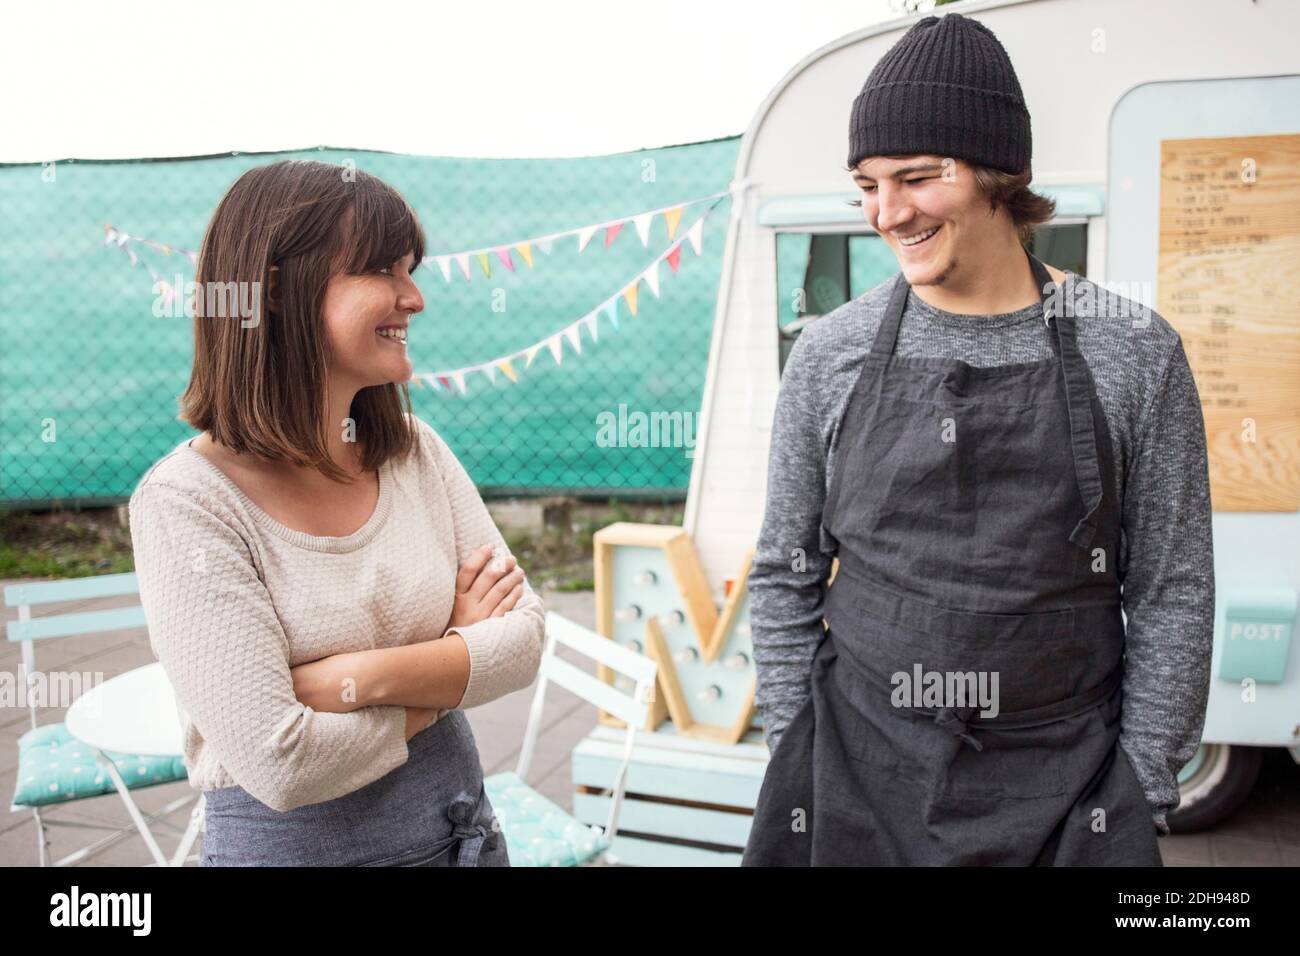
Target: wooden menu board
(1229, 282)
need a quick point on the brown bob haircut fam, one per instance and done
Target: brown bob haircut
(1027, 208)
(259, 387)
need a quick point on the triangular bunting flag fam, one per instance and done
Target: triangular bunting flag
(674, 256)
(557, 348)
(544, 245)
(584, 236)
(574, 335)
(444, 263)
(526, 252)
(651, 276)
(642, 224)
(629, 294)
(489, 371)
(611, 310)
(445, 383)
(508, 369)
(504, 255)
(611, 232)
(487, 268)
(589, 321)
(531, 353)
(460, 380)
(671, 218)
(696, 234)
(462, 260)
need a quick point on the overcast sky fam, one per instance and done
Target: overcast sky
(505, 78)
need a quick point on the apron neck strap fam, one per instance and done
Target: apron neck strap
(887, 334)
(1078, 396)
(1074, 370)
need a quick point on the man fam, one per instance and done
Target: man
(1003, 457)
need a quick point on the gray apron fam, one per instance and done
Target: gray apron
(430, 811)
(977, 534)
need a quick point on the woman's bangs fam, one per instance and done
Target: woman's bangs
(383, 229)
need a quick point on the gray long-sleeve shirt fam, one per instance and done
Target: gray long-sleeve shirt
(1166, 561)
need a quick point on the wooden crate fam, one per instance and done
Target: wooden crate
(688, 802)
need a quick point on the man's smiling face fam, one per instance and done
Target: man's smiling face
(931, 212)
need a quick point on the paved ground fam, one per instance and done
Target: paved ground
(1266, 831)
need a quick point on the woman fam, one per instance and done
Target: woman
(316, 567)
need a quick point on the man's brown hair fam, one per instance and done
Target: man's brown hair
(1028, 209)
(259, 387)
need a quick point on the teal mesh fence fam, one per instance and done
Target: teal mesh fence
(91, 375)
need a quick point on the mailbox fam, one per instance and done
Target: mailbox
(1257, 626)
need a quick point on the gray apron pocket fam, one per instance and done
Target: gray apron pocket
(910, 744)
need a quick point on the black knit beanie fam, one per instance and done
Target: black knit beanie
(946, 88)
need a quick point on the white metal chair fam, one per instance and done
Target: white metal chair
(537, 832)
(54, 768)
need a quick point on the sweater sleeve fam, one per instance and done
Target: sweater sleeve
(213, 626)
(504, 652)
(1167, 580)
(787, 580)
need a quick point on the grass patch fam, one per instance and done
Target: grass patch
(71, 544)
(63, 544)
(560, 556)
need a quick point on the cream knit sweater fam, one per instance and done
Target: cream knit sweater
(233, 599)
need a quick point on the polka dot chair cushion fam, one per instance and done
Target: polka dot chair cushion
(539, 833)
(55, 767)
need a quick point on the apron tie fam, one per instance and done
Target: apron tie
(461, 811)
(953, 719)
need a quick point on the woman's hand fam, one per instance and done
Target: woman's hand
(485, 588)
(345, 682)
(334, 684)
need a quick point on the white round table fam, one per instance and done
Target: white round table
(135, 713)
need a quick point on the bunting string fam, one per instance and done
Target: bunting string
(524, 247)
(119, 239)
(502, 253)
(452, 380)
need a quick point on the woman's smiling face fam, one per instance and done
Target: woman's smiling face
(367, 319)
